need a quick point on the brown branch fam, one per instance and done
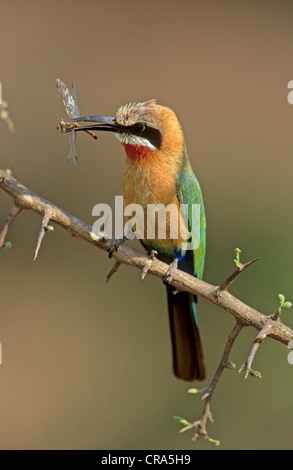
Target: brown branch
(26, 199)
(263, 333)
(8, 222)
(244, 314)
(207, 415)
(230, 279)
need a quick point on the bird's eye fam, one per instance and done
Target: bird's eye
(141, 126)
(141, 129)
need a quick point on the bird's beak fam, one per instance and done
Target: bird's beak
(98, 123)
(109, 123)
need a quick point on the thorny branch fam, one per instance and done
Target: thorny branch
(240, 268)
(24, 199)
(261, 336)
(256, 344)
(201, 424)
(271, 326)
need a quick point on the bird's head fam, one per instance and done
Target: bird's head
(142, 128)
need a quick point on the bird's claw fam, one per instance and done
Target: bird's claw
(167, 279)
(148, 263)
(115, 245)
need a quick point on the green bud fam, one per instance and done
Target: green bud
(214, 441)
(182, 421)
(281, 299)
(255, 373)
(94, 237)
(7, 246)
(190, 426)
(192, 390)
(4, 114)
(287, 305)
(237, 254)
(241, 369)
(231, 365)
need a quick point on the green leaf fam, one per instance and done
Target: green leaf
(186, 428)
(237, 256)
(281, 299)
(214, 441)
(182, 421)
(287, 305)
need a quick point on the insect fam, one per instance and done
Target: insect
(72, 109)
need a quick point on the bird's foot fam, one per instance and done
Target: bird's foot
(171, 271)
(148, 263)
(115, 245)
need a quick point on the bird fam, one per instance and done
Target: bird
(157, 171)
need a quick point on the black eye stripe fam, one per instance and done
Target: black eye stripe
(141, 129)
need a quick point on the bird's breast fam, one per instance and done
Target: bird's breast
(146, 183)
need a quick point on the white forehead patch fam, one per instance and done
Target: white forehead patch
(134, 140)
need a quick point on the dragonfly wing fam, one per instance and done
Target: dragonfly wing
(68, 100)
(76, 111)
(72, 147)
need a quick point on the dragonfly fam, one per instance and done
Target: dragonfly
(72, 109)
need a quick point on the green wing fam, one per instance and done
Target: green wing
(189, 192)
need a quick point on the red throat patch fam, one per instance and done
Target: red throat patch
(136, 151)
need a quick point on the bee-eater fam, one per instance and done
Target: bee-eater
(157, 171)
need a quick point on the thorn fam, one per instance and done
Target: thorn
(113, 270)
(206, 395)
(43, 230)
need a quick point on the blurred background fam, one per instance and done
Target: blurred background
(85, 364)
